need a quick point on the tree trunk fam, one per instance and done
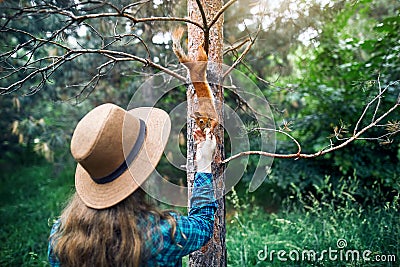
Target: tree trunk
(214, 253)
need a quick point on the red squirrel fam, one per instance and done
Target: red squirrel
(205, 113)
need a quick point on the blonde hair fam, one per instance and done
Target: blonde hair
(107, 237)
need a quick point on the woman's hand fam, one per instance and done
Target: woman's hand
(206, 144)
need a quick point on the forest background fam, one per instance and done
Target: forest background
(319, 63)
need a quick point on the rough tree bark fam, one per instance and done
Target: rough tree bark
(214, 253)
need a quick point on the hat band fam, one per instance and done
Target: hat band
(129, 159)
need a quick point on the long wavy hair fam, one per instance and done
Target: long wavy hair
(107, 237)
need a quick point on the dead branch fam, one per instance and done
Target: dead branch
(234, 48)
(243, 55)
(379, 99)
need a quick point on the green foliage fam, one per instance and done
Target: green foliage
(39, 125)
(270, 56)
(318, 89)
(355, 56)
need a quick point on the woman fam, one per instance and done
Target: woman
(108, 221)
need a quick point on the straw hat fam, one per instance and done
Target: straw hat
(116, 151)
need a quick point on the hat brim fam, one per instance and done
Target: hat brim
(100, 196)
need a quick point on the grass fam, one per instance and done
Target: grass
(251, 233)
(32, 196)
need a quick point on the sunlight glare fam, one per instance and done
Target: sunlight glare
(267, 11)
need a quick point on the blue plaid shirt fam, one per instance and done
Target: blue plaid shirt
(192, 231)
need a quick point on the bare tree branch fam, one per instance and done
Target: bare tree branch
(378, 97)
(284, 133)
(206, 30)
(357, 135)
(57, 61)
(43, 67)
(203, 13)
(134, 4)
(51, 9)
(243, 55)
(235, 47)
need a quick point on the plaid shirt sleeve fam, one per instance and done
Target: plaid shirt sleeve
(192, 231)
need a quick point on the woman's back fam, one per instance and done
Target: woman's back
(108, 221)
